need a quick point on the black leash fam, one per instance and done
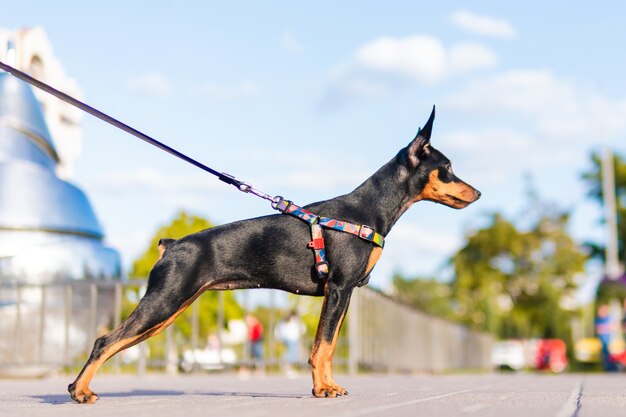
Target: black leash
(278, 203)
(222, 176)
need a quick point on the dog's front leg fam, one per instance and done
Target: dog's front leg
(336, 301)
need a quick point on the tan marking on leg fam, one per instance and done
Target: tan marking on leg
(85, 377)
(319, 368)
(329, 360)
(160, 327)
(82, 393)
(321, 362)
(316, 367)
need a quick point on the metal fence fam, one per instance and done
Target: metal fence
(45, 327)
(53, 326)
(385, 335)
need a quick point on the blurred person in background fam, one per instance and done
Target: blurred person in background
(289, 331)
(255, 339)
(604, 330)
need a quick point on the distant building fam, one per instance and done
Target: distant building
(49, 233)
(48, 229)
(34, 55)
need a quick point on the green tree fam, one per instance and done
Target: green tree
(514, 283)
(181, 225)
(428, 295)
(593, 178)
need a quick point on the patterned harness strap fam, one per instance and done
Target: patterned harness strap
(317, 223)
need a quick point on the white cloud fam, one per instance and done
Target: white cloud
(151, 83)
(495, 155)
(411, 249)
(497, 139)
(289, 42)
(527, 92)
(292, 171)
(556, 108)
(418, 58)
(242, 90)
(420, 239)
(322, 179)
(186, 190)
(534, 122)
(131, 243)
(484, 25)
(152, 180)
(467, 57)
(380, 66)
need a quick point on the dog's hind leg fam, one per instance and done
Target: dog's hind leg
(156, 310)
(334, 308)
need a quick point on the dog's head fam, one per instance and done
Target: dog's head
(430, 173)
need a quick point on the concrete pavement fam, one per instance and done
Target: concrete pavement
(510, 395)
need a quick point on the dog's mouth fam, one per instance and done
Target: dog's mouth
(456, 202)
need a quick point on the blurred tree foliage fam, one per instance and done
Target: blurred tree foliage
(512, 281)
(593, 178)
(518, 283)
(181, 225)
(428, 295)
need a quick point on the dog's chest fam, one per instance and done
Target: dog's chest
(374, 257)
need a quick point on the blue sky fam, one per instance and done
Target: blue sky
(306, 101)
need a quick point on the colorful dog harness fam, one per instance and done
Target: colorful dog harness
(317, 223)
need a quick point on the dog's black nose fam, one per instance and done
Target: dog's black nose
(478, 194)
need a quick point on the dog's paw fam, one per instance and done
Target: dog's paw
(84, 396)
(340, 390)
(330, 391)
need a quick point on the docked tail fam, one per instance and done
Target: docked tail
(163, 243)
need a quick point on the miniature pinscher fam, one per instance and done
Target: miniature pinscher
(274, 252)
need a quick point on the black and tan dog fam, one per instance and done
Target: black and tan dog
(273, 252)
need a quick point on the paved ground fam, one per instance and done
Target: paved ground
(524, 395)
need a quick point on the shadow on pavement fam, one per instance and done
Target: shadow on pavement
(65, 398)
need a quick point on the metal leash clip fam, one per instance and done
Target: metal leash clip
(279, 203)
(246, 187)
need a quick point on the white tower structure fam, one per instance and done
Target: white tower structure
(29, 50)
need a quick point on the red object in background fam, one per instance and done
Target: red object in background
(551, 354)
(619, 358)
(255, 329)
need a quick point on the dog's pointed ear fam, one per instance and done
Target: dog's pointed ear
(418, 149)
